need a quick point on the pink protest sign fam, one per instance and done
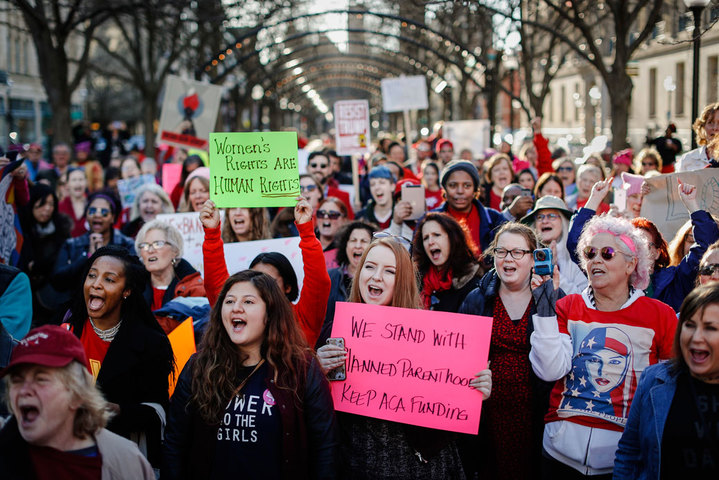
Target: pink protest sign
(171, 175)
(411, 366)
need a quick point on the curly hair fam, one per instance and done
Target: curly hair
(406, 288)
(661, 244)
(460, 258)
(218, 360)
(701, 121)
(619, 226)
(343, 236)
(259, 226)
(650, 153)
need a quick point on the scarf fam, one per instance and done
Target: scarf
(434, 281)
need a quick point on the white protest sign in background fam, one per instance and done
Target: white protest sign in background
(128, 188)
(472, 134)
(664, 207)
(193, 235)
(404, 93)
(352, 134)
(189, 112)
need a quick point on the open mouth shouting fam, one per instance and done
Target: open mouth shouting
(699, 356)
(238, 325)
(95, 303)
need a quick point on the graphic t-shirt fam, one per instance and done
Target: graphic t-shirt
(95, 348)
(611, 350)
(690, 442)
(249, 439)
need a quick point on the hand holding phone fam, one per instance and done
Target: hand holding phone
(414, 195)
(339, 373)
(543, 261)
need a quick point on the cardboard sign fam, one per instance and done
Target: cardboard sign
(128, 188)
(472, 134)
(182, 339)
(189, 112)
(239, 255)
(664, 207)
(254, 169)
(404, 93)
(352, 133)
(411, 366)
(171, 175)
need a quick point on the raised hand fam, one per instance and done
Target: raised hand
(599, 192)
(402, 210)
(688, 195)
(210, 215)
(303, 211)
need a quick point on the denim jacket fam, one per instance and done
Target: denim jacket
(639, 454)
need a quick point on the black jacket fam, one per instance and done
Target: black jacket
(339, 291)
(451, 300)
(309, 430)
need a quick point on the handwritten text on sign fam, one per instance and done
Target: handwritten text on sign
(411, 366)
(352, 127)
(254, 169)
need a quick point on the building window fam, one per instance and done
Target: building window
(576, 97)
(563, 105)
(679, 97)
(549, 101)
(712, 78)
(652, 92)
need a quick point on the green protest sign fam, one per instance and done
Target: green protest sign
(254, 169)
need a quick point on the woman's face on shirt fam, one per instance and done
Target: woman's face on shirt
(513, 272)
(606, 368)
(377, 276)
(436, 243)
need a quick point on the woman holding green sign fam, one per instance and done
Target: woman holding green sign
(379, 449)
(310, 309)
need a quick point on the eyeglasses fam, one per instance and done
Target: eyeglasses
(328, 214)
(565, 169)
(517, 253)
(548, 216)
(308, 188)
(157, 244)
(103, 212)
(318, 165)
(607, 253)
(709, 270)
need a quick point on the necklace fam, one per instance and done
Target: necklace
(241, 386)
(106, 335)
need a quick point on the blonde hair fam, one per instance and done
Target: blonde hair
(701, 121)
(172, 234)
(406, 290)
(158, 192)
(644, 153)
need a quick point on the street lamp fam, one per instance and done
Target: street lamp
(669, 86)
(696, 7)
(595, 97)
(257, 93)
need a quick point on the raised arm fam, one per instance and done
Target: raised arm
(213, 253)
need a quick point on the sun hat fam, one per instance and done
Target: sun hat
(548, 202)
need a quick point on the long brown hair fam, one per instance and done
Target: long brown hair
(461, 259)
(259, 226)
(406, 291)
(696, 301)
(218, 361)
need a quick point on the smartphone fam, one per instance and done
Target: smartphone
(543, 261)
(414, 194)
(339, 373)
(526, 193)
(620, 199)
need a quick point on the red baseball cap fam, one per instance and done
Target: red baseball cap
(50, 346)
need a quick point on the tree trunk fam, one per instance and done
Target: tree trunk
(59, 100)
(619, 86)
(148, 120)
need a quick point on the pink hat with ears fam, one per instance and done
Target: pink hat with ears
(634, 182)
(624, 157)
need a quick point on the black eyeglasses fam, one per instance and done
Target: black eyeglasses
(318, 165)
(103, 212)
(308, 188)
(517, 253)
(709, 270)
(157, 244)
(607, 253)
(328, 214)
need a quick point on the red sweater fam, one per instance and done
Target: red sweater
(310, 310)
(544, 156)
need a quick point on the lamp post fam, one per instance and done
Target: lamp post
(696, 7)
(595, 97)
(669, 86)
(257, 93)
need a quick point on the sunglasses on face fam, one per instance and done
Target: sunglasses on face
(318, 165)
(708, 270)
(308, 188)
(649, 164)
(607, 253)
(516, 253)
(548, 216)
(157, 244)
(328, 214)
(103, 212)
(565, 169)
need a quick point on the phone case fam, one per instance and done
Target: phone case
(414, 194)
(339, 373)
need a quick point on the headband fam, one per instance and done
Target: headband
(623, 237)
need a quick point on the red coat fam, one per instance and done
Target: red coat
(310, 310)
(544, 156)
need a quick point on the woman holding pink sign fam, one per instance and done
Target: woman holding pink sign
(379, 449)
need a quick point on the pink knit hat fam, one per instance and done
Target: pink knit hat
(634, 182)
(624, 157)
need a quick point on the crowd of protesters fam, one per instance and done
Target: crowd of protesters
(607, 365)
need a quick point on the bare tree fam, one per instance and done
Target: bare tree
(62, 35)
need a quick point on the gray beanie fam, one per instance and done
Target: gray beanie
(455, 165)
